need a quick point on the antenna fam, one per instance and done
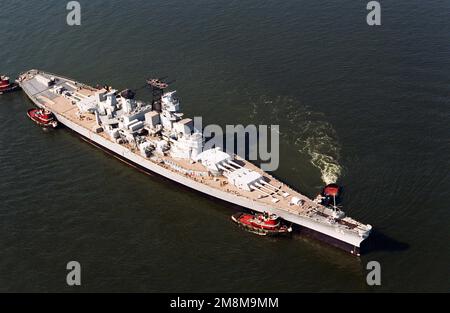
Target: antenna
(158, 87)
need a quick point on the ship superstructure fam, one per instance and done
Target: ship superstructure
(157, 138)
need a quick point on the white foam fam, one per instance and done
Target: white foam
(307, 129)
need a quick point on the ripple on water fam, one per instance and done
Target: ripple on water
(307, 129)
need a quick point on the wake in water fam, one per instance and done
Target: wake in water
(308, 130)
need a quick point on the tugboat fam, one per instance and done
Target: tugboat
(331, 194)
(42, 117)
(263, 224)
(6, 86)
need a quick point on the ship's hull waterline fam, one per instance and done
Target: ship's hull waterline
(326, 233)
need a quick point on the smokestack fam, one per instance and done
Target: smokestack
(156, 106)
(158, 87)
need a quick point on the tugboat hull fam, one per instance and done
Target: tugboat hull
(11, 88)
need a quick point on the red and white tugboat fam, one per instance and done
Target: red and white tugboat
(330, 195)
(263, 224)
(42, 117)
(6, 86)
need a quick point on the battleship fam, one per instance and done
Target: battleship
(157, 139)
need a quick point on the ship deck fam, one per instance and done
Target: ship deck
(62, 105)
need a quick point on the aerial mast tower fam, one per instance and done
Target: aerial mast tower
(158, 87)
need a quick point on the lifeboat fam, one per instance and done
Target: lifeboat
(331, 195)
(6, 86)
(42, 117)
(263, 224)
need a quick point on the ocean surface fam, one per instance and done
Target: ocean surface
(366, 106)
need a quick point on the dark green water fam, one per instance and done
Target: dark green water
(367, 105)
